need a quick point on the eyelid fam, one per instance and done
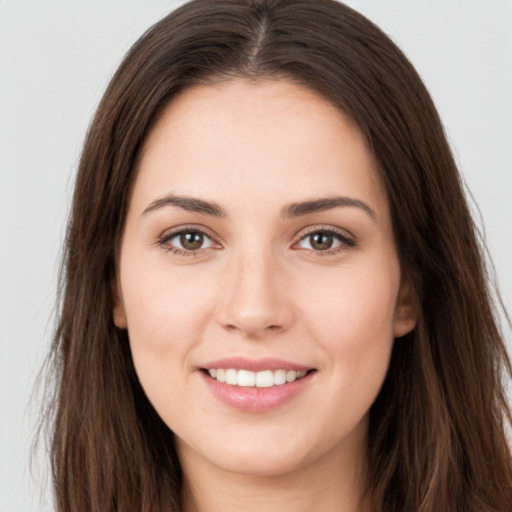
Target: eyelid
(326, 228)
(348, 239)
(167, 235)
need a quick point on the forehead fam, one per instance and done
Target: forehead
(266, 138)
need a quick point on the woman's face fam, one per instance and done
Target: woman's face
(258, 249)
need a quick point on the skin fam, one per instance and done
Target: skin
(258, 288)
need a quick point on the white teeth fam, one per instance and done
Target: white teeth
(291, 376)
(263, 379)
(246, 378)
(279, 377)
(231, 377)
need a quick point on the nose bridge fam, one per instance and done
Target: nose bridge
(255, 301)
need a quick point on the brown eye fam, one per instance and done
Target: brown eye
(187, 241)
(191, 240)
(325, 240)
(321, 241)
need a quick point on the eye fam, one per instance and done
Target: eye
(186, 241)
(325, 240)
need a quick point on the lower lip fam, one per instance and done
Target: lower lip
(252, 399)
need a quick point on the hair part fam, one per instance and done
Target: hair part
(437, 429)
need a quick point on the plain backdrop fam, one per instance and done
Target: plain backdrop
(56, 57)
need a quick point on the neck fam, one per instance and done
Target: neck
(331, 483)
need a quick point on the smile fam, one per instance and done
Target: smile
(256, 385)
(261, 379)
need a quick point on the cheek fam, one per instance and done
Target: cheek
(353, 323)
(355, 305)
(166, 314)
(161, 306)
(165, 323)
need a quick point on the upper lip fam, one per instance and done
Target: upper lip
(255, 365)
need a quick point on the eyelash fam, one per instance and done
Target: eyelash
(166, 237)
(346, 242)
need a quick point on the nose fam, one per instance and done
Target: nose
(255, 299)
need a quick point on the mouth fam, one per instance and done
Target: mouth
(256, 385)
(255, 379)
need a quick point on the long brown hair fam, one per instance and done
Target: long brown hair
(437, 429)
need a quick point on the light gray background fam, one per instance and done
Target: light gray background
(56, 57)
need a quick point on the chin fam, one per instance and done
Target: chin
(273, 462)
(275, 452)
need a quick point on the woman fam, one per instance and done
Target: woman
(274, 296)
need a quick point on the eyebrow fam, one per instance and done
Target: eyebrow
(323, 204)
(298, 209)
(190, 204)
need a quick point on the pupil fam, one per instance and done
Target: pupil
(321, 241)
(191, 240)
